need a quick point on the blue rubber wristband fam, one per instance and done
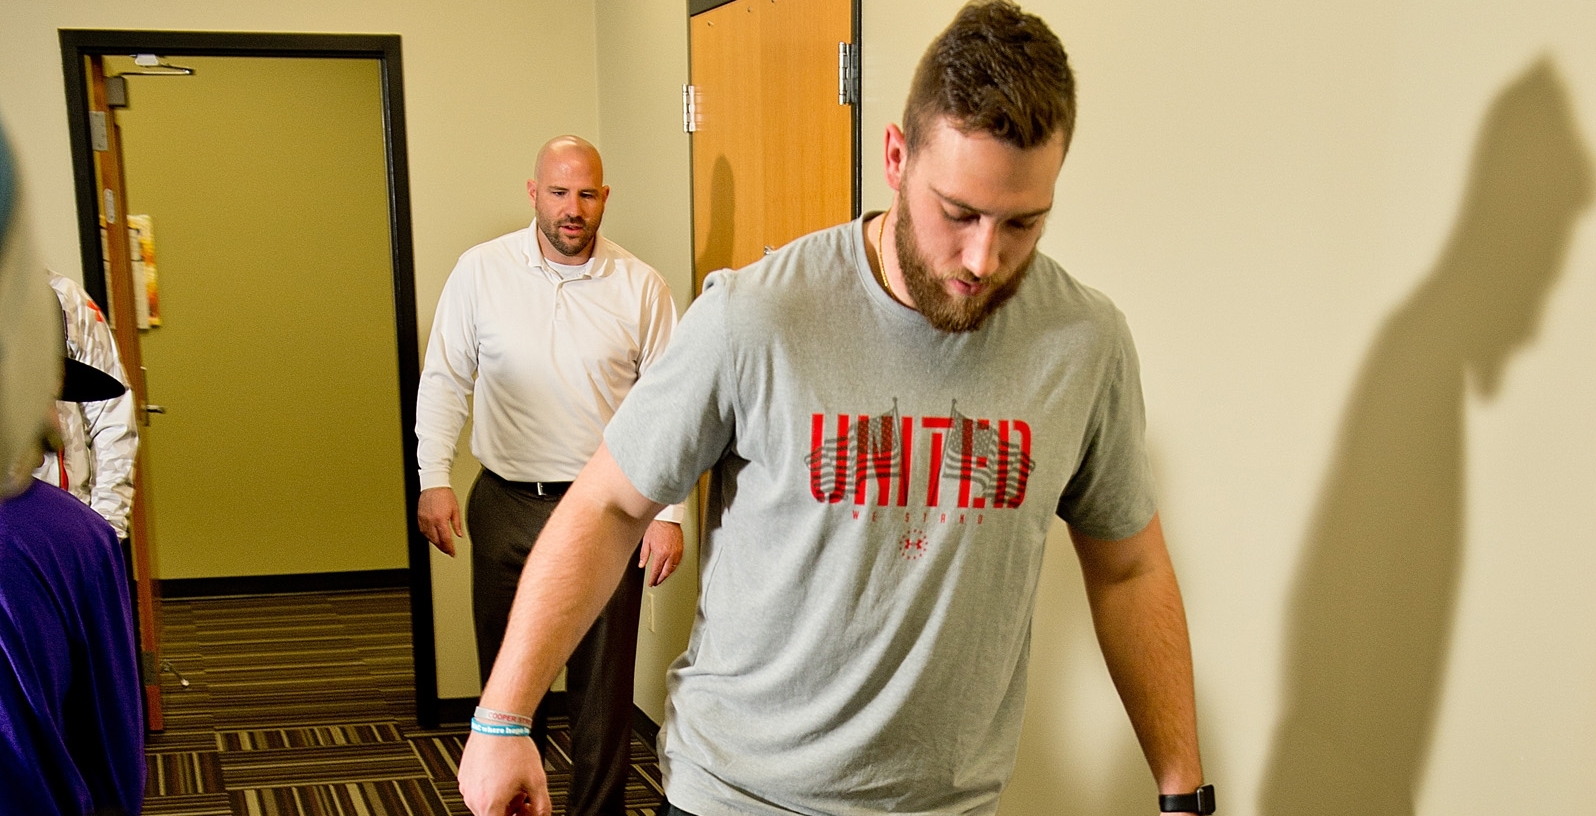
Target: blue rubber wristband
(497, 730)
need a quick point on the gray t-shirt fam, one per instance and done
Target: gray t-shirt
(884, 492)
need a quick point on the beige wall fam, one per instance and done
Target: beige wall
(266, 183)
(642, 65)
(1284, 199)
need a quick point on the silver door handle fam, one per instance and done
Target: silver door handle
(155, 409)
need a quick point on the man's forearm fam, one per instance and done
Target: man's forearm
(571, 573)
(441, 413)
(569, 576)
(1141, 628)
(448, 379)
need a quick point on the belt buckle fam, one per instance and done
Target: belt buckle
(541, 492)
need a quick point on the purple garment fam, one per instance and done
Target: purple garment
(71, 730)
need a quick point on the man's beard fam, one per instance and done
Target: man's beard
(569, 247)
(942, 310)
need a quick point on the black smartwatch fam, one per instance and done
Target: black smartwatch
(1201, 801)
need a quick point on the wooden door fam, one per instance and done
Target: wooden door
(773, 153)
(124, 329)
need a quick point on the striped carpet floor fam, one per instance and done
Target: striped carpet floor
(303, 704)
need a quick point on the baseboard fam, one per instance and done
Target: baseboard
(645, 726)
(455, 710)
(458, 710)
(285, 584)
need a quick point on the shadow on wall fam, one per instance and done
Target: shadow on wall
(722, 231)
(1372, 610)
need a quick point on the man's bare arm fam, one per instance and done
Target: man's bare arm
(569, 576)
(1141, 628)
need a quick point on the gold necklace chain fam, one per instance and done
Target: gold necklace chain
(881, 237)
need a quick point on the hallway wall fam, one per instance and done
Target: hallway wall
(642, 65)
(1355, 244)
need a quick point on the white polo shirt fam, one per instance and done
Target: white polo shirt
(549, 355)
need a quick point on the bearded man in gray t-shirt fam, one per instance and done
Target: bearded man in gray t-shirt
(894, 410)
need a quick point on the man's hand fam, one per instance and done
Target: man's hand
(503, 776)
(438, 514)
(661, 552)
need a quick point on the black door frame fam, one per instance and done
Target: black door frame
(77, 44)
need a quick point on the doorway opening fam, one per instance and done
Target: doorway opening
(82, 54)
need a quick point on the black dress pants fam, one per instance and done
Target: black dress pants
(505, 518)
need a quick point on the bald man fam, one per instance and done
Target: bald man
(548, 327)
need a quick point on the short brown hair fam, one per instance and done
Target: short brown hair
(998, 70)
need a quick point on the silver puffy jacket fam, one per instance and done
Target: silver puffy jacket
(100, 439)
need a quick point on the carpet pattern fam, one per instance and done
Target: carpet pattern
(303, 705)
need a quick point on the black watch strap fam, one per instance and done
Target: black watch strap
(1201, 801)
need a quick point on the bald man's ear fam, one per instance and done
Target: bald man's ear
(532, 190)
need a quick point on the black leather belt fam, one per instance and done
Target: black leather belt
(548, 490)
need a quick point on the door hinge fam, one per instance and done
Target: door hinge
(848, 90)
(690, 116)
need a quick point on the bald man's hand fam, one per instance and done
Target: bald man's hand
(438, 515)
